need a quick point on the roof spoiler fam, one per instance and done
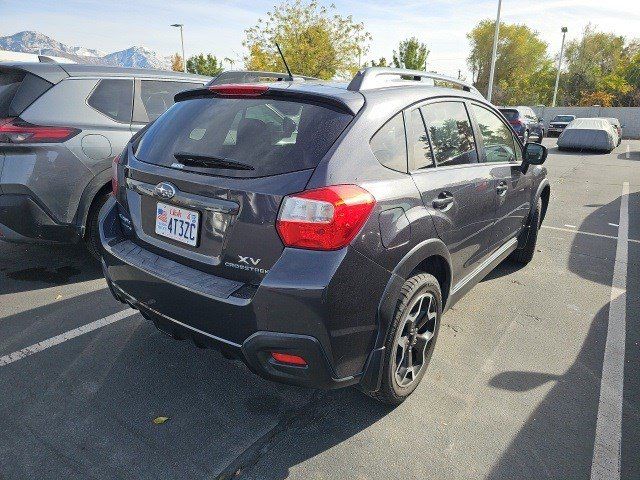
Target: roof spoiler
(248, 76)
(378, 77)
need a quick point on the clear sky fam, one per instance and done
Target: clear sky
(217, 27)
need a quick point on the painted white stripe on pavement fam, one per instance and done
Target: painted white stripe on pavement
(607, 445)
(602, 235)
(76, 332)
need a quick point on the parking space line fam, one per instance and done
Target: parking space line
(58, 339)
(602, 235)
(607, 444)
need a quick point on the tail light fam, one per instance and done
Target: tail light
(324, 219)
(17, 131)
(518, 123)
(238, 90)
(114, 175)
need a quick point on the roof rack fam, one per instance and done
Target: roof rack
(378, 77)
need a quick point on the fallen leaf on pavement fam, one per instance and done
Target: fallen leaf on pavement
(160, 420)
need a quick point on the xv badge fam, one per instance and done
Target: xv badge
(248, 260)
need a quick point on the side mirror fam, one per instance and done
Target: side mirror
(534, 153)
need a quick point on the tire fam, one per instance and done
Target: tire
(525, 254)
(92, 232)
(540, 136)
(425, 326)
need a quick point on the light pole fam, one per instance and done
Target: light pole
(555, 89)
(184, 60)
(496, 34)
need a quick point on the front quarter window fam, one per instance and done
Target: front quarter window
(499, 145)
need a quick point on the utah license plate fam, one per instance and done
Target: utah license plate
(177, 223)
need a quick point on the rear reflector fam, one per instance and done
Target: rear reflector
(17, 131)
(289, 359)
(324, 219)
(238, 90)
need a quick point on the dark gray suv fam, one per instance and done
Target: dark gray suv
(319, 231)
(60, 127)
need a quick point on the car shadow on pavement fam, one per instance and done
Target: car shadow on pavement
(32, 267)
(558, 438)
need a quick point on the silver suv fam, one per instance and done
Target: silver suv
(61, 125)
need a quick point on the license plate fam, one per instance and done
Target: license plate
(177, 223)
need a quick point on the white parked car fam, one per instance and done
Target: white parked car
(595, 134)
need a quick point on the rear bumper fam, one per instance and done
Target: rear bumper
(22, 220)
(293, 310)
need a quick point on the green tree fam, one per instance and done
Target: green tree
(594, 64)
(524, 72)
(382, 62)
(411, 54)
(204, 65)
(316, 40)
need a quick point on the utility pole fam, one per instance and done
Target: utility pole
(555, 89)
(184, 60)
(496, 34)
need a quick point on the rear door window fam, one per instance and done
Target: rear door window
(114, 98)
(419, 146)
(389, 144)
(496, 136)
(450, 133)
(241, 137)
(18, 90)
(157, 96)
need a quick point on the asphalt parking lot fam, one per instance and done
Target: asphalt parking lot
(515, 389)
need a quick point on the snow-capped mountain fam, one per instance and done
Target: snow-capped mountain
(138, 57)
(35, 42)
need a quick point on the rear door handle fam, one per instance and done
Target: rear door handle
(443, 200)
(501, 188)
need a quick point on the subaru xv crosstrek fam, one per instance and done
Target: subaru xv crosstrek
(319, 231)
(60, 127)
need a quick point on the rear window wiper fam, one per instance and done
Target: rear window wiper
(207, 161)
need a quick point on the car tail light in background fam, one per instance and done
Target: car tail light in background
(238, 90)
(17, 131)
(114, 175)
(289, 359)
(517, 123)
(324, 219)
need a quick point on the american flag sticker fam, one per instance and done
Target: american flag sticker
(162, 215)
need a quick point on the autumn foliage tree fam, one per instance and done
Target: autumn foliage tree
(177, 65)
(315, 40)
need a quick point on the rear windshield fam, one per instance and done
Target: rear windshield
(241, 137)
(18, 90)
(510, 114)
(562, 118)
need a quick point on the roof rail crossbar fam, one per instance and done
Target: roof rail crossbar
(377, 77)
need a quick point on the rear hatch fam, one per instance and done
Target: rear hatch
(19, 88)
(222, 164)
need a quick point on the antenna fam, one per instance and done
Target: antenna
(285, 62)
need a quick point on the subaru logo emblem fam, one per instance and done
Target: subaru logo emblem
(164, 190)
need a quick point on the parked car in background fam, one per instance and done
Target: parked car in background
(559, 123)
(591, 134)
(616, 124)
(525, 122)
(60, 128)
(318, 231)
